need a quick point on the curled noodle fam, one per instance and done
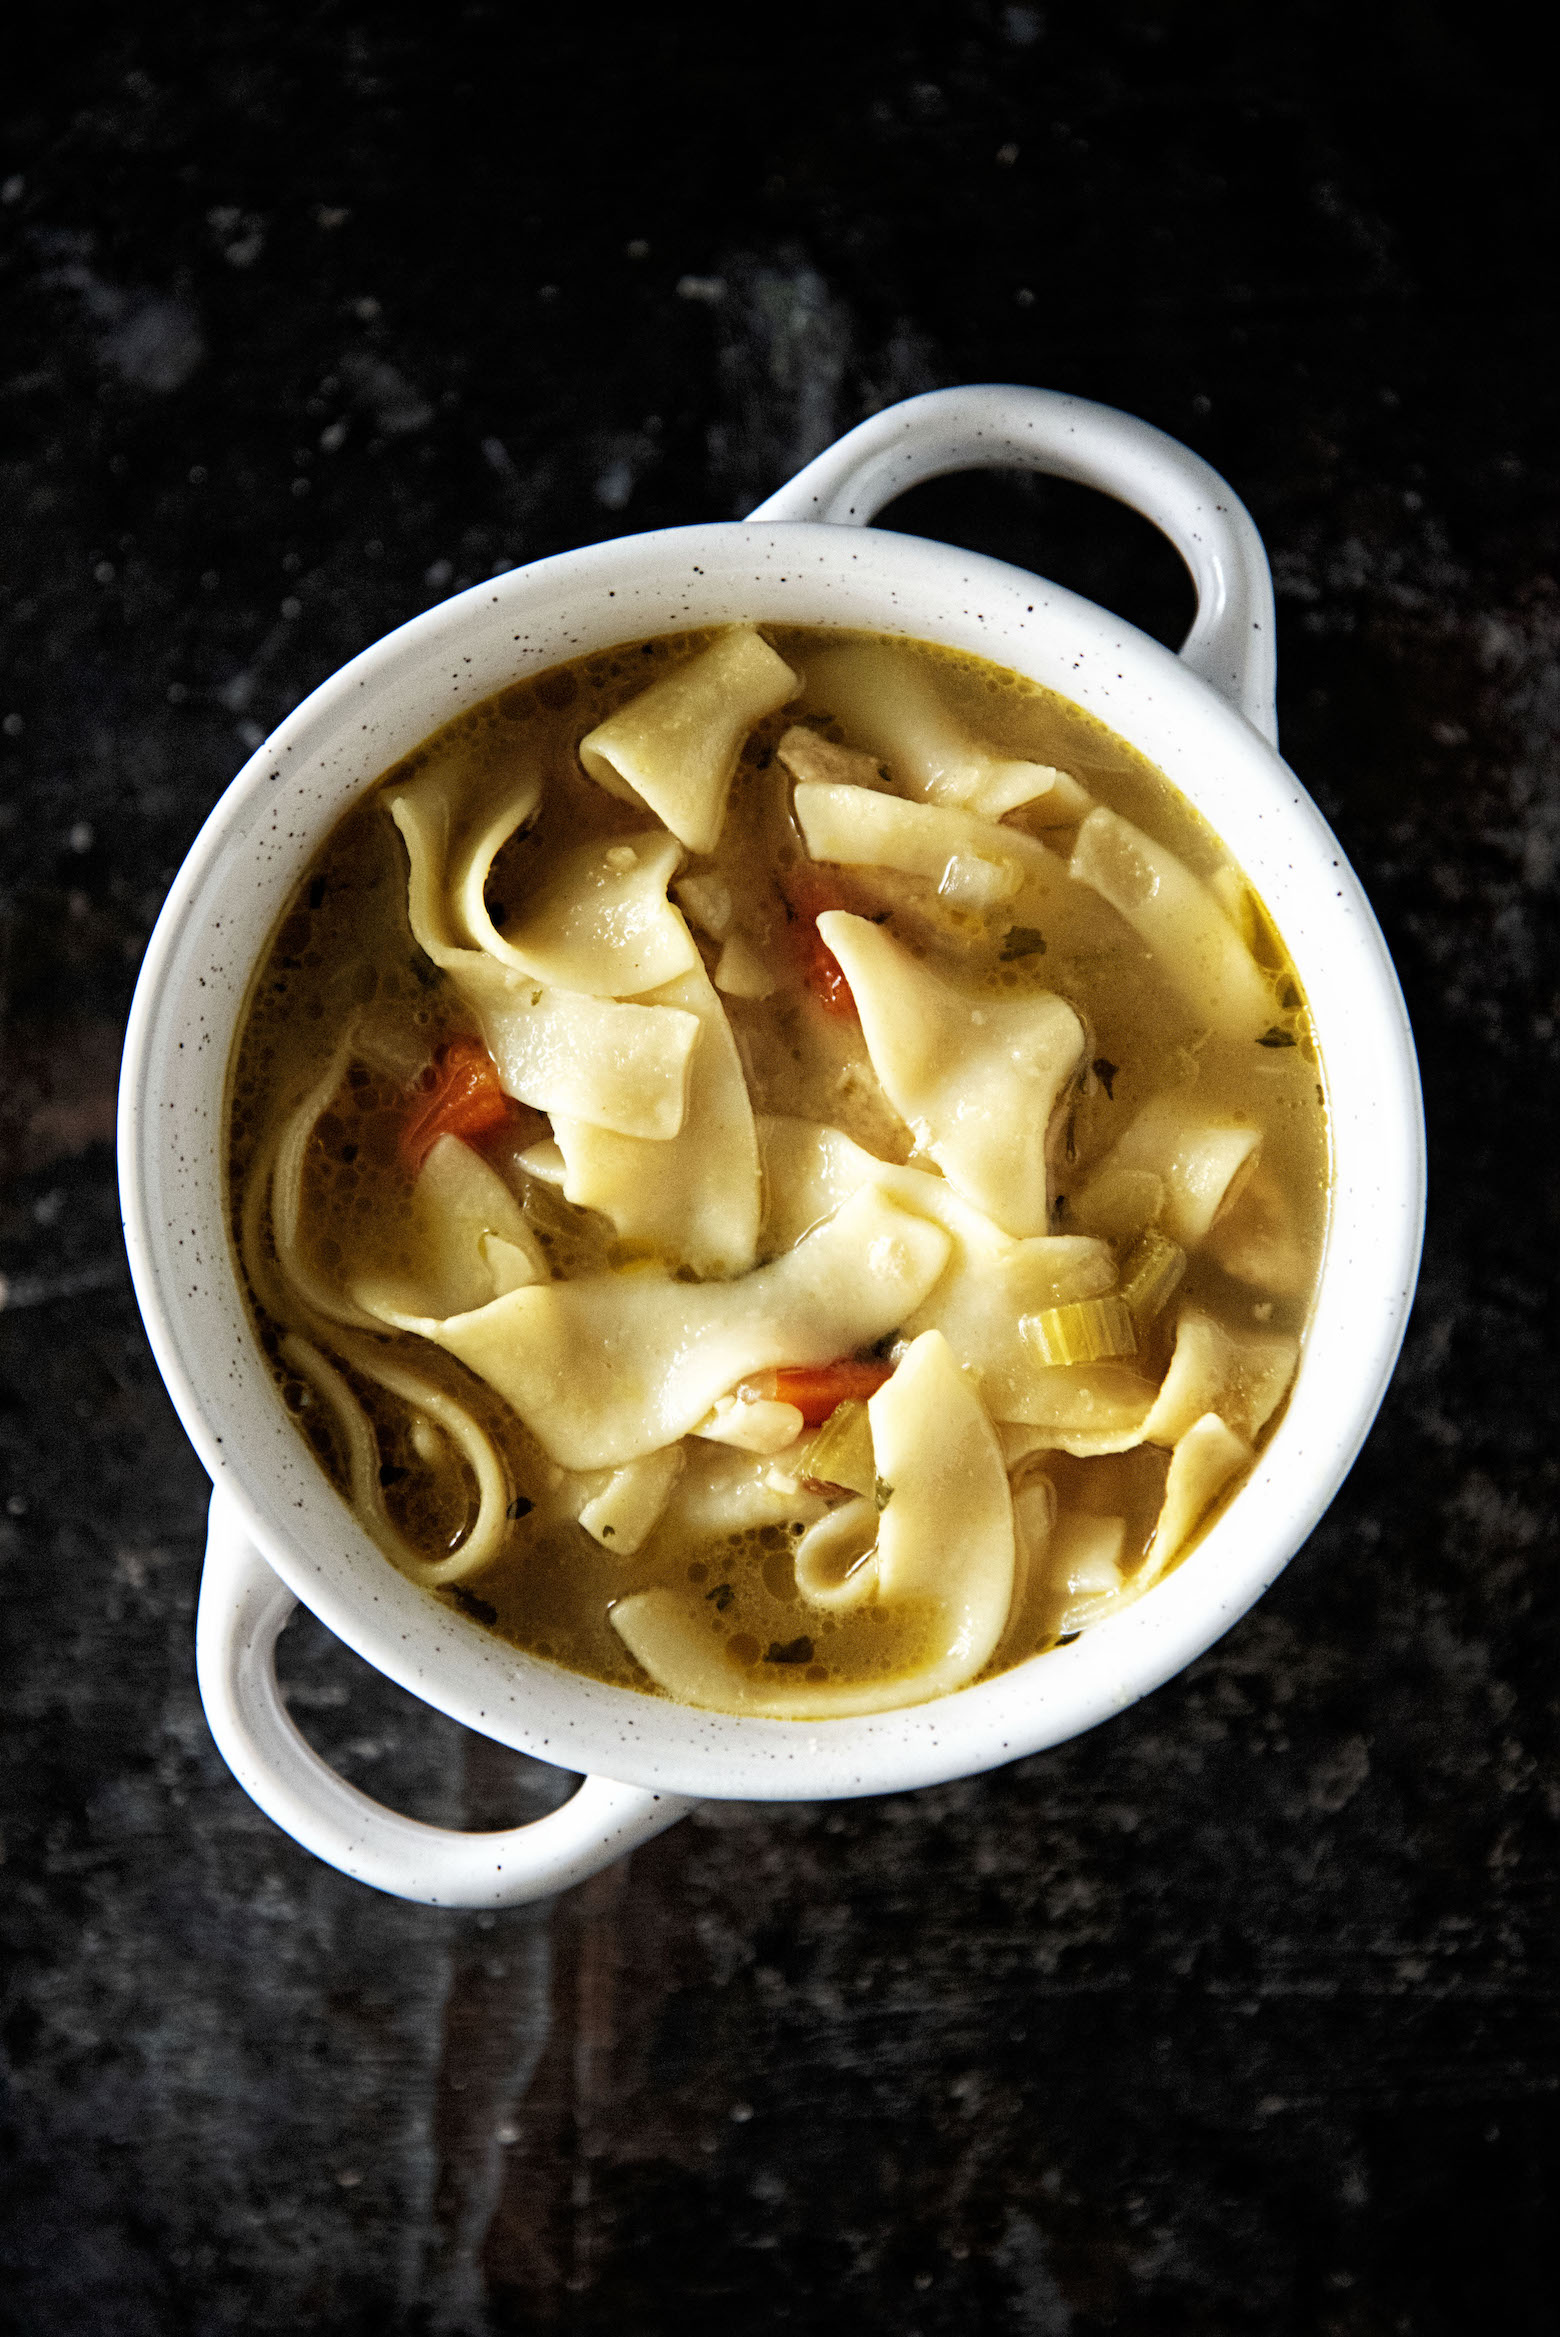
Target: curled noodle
(287, 1197)
(476, 1448)
(309, 1311)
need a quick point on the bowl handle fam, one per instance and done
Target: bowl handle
(243, 1606)
(1002, 427)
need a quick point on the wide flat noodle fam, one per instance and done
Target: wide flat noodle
(981, 1312)
(468, 1235)
(629, 1506)
(754, 1424)
(473, 847)
(1199, 951)
(1201, 1165)
(977, 1077)
(1085, 1409)
(622, 1067)
(889, 703)
(944, 1547)
(991, 1280)
(544, 1162)
(1241, 1375)
(810, 1170)
(836, 1559)
(946, 1532)
(725, 1491)
(854, 828)
(1205, 1459)
(741, 973)
(1083, 1571)
(451, 848)
(1097, 1408)
(610, 1366)
(600, 920)
(976, 865)
(675, 746)
(695, 1198)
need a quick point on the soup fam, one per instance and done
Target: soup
(779, 1167)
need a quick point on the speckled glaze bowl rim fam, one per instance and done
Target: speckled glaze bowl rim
(230, 892)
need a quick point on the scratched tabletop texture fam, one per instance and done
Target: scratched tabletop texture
(1235, 2016)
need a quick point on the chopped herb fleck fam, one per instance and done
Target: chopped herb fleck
(882, 1494)
(520, 1507)
(1022, 941)
(469, 1604)
(607, 1533)
(389, 1474)
(1276, 1038)
(1105, 1073)
(721, 1596)
(789, 1651)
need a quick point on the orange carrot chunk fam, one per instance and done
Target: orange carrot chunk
(816, 1388)
(458, 1095)
(825, 978)
(808, 892)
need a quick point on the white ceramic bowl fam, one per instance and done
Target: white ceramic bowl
(280, 1532)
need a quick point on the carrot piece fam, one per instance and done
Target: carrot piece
(458, 1095)
(808, 892)
(825, 978)
(815, 1389)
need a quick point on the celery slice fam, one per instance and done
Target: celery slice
(1151, 1273)
(841, 1452)
(1091, 1330)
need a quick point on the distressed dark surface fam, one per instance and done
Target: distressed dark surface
(1237, 2016)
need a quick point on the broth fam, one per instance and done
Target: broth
(1183, 1075)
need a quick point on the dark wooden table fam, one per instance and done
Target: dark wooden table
(1236, 2016)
